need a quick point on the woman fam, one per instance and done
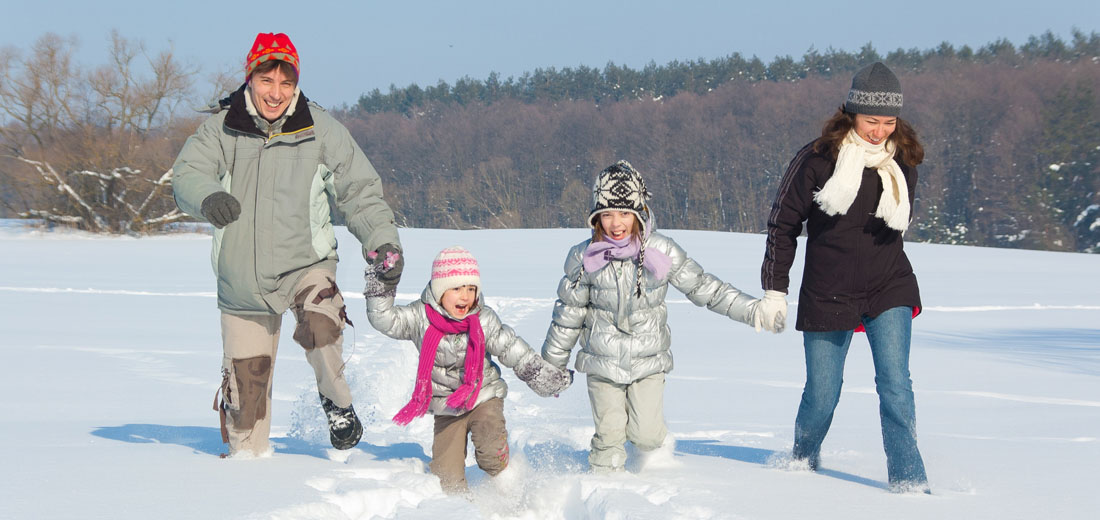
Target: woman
(853, 187)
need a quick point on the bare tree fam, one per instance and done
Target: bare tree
(36, 91)
(102, 140)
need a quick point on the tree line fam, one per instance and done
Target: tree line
(616, 83)
(1012, 135)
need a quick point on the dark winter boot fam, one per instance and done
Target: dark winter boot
(814, 461)
(344, 428)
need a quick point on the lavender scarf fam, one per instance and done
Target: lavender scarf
(598, 254)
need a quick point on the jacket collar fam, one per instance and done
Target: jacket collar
(240, 120)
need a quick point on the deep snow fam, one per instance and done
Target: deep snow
(111, 356)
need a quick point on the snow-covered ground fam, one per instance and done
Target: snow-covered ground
(111, 353)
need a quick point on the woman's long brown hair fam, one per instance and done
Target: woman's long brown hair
(909, 149)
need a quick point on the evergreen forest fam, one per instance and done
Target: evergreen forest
(1011, 134)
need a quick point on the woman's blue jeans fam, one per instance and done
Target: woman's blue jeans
(889, 335)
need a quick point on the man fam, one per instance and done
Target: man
(264, 170)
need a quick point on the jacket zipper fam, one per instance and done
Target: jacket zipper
(256, 212)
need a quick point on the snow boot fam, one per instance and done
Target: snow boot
(344, 428)
(812, 461)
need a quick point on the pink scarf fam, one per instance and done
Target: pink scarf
(465, 396)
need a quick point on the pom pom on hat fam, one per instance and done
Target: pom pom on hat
(270, 46)
(454, 267)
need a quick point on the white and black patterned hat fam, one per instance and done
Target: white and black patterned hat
(619, 187)
(875, 91)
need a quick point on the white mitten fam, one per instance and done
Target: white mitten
(771, 312)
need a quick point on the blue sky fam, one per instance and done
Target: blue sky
(349, 48)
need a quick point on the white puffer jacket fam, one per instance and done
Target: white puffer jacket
(625, 337)
(410, 321)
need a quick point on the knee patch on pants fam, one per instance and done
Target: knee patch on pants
(493, 458)
(245, 389)
(321, 314)
(490, 436)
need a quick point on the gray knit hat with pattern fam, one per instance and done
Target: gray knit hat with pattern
(875, 91)
(619, 187)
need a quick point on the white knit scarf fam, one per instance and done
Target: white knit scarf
(840, 190)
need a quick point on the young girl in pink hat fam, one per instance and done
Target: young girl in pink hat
(457, 380)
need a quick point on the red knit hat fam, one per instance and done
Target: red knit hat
(270, 46)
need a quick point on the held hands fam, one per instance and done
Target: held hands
(558, 381)
(544, 378)
(383, 272)
(389, 261)
(771, 312)
(221, 209)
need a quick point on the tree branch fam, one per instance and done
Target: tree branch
(50, 175)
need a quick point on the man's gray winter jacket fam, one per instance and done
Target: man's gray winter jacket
(625, 337)
(284, 178)
(410, 321)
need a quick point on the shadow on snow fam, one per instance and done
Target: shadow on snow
(540, 456)
(208, 440)
(711, 448)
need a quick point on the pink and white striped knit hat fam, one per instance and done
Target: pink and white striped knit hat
(454, 267)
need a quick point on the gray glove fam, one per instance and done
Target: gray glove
(221, 209)
(385, 265)
(375, 286)
(545, 379)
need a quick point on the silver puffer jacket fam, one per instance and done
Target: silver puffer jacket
(625, 337)
(411, 321)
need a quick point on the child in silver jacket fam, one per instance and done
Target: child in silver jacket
(612, 298)
(457, 381)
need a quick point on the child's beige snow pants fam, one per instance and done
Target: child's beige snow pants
(633, 412)
(485, 426)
